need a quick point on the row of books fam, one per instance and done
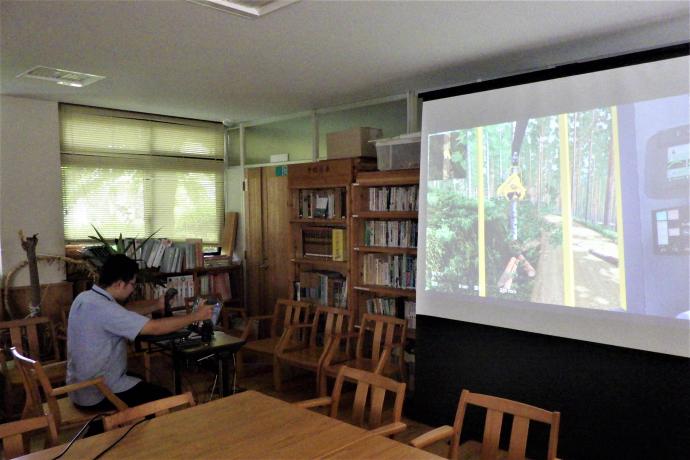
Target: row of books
(169, 257)
(324, 242)
(391, 233)
(323, 287)
(391, 306)
(404, 198)
(322, 203)
(216, 283)
(396, 271)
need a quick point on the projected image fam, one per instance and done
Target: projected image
(520, 194)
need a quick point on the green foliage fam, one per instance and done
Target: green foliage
(118, 245)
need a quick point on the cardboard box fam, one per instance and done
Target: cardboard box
(352, 143)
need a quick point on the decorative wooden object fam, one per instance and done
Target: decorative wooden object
(29, 245)
(488, 449)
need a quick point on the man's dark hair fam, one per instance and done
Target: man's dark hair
(117, 267)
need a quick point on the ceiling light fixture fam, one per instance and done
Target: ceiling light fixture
(246, 8)
(61, 77)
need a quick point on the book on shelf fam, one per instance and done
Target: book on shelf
(399, 307)
(317, 242)
(184, 284)
(394, 198)
(390, 233)
(322, 203)
(322, 286)
(217, 261)
(339, 244)
(396, 271)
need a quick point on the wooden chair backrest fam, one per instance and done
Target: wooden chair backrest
(385, 331)
(335, 321)
(378, 385)
(157, 408)
(495, 408)
(288, 312)
(12, 434)
(25, 336)
(32, 375)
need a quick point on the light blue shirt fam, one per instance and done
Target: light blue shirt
(97, 337)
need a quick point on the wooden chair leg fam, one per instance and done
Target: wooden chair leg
(239, 364)
(277, 377)
(323, 385)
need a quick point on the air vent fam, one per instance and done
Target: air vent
(246, 8)
(61, 77)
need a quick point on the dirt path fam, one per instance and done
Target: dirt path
(596, 279)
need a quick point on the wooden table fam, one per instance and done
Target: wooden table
(243, 426)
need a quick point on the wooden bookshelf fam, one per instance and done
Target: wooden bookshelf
(381, 226)
(311, 185)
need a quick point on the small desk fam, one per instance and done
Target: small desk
(222, 346)
(248, 425)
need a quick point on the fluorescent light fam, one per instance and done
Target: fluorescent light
(246, 8)
(69, 83)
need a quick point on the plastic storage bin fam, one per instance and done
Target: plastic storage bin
(400, 152)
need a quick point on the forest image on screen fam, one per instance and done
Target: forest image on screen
(541, 210)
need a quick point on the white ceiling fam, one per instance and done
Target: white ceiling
(180, 58)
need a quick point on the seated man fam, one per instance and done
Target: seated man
(98, 331)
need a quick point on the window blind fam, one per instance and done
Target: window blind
(128, 175)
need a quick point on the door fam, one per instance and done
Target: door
(267, 237)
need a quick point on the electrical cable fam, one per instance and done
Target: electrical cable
(78, 435)
(119, 439)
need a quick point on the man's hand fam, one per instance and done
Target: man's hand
(204, 312)
(161, 303)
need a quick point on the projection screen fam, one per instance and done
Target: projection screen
(561, 207)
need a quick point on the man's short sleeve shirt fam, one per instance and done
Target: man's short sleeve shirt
(97, 336)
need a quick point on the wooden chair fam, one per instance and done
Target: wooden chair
(365, 381)
(327, 324)
(25, 335)
(12, 435)
(488, 448)
(64, 412)
(285, 313)
(378, 337)
(157, 408)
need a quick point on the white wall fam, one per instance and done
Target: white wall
(234, 201)
(30, 185)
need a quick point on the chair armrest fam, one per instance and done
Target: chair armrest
(248, 329)
(98, 383)
(316, 402)
(389, 429)
(333, 344)
(430, 437)
(62, 365)
(288, 333)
